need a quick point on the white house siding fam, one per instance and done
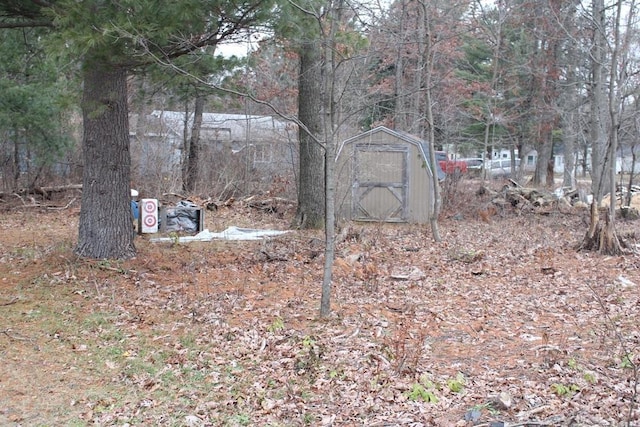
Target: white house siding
(266, 144)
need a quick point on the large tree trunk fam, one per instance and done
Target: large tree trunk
(311, 202)
(551, 168)
(192, 167)
(544, 149)
(105, 229)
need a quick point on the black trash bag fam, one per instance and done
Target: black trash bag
(183, 217)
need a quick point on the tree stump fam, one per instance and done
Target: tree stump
(601, 236)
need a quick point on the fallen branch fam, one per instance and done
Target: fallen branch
(43, 191)
(58, 188)
(178, 195)
(19, 197)
(273, 257)
(14, 337)
(61, 208)
(553, 421)
(55, 189)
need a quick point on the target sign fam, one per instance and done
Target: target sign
(149, 215)
(150, 221)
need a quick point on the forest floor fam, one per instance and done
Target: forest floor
(503, 323)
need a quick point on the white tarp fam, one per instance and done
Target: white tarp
(231, 233)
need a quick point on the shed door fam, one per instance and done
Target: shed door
(380, 183)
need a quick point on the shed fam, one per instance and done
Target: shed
(384, 175)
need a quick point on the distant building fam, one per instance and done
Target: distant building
(262, 145)
(624, 161)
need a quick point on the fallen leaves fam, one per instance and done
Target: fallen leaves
(489, 326)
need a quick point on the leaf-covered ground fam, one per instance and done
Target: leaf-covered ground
(502, 323)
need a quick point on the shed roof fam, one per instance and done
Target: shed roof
(421, 144)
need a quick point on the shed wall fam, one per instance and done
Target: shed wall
(418, 195)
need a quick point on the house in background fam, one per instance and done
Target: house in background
(624, 161)
(384, 175)
(531, 159)
(262, 146)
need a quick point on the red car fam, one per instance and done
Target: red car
(450, 166)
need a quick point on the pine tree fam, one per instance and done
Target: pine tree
(110, 40)
(34, 101)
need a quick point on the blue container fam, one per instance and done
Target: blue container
(135, 211)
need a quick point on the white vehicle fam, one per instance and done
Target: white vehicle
(474, 165)
(500, 168)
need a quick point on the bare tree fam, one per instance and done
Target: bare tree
(606, 106)
(331, 64)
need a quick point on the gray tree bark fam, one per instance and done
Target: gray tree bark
(105, 229)
(602, 237)
(311, 188)
(598, 103)
(427, 60)
(569, 106)
(400, 114)
(192, 167)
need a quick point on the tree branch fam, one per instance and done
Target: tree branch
(30, 10)
(25, 24)
(167, 63)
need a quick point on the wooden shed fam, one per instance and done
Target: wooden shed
(384, 175)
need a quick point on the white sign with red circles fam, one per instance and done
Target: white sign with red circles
(149, 215)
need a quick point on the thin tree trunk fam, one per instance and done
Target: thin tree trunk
(569, 106)
(634, 156)
(437, 193)
(613, 245)
(485, 148)
(16, 158)
(415, 117)
(568, 173)
(330, 225)
(603, 237)
(186, 141)
(598, 102)
(330, 118)
(495, 66)
(399, 117)
(591, 239)
(106, 174)
(632, 171)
